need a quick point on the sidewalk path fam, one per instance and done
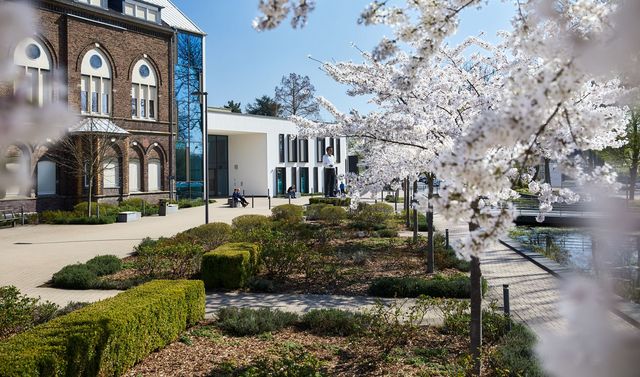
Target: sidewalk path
(302, 303)
(31, 254)
(534, 293)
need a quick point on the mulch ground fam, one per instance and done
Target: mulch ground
(205, 351)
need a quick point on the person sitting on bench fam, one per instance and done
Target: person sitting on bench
(237, 197)
(291, 192)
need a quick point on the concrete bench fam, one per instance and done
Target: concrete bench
(232, 203)
(129, 216)
(8, 217)
(168, 209)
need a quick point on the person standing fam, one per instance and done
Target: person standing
(328, 161)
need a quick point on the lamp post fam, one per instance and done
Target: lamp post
(205, 153)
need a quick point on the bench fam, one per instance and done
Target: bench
(8, 217)
(128, 216)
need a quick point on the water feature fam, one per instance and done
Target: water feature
(574, 248)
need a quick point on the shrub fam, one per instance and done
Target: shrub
(446, 257)
(515, 353)
(108, 337)
(341, 202)
(387, 232)
(287, 213)
(63, 217)
(312, 212)
(106, 209)
(172, 259)
(139, 205)
(19, 312)
(104, 264)
(287, 361)
(439, 286)
(250, 228)
(262, 285)
(209, 236)
(75, 276)
(189, 203)
(372, 216)
(281, 254)
(334, 322)
(228, 266)
(245, 321)
(391, 198)
(332, 215)
(146, 243)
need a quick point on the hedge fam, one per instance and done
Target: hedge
(108, 337)
(230, 265)
(457, 286)
(341, 202)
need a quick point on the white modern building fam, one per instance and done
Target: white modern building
(263, 156)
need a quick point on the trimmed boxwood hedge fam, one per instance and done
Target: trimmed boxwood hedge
(457, 286)
(230, 265)
(342, 202)
(108, 337)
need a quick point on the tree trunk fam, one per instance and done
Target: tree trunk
(476, 315)
(89, 192)
(476, 311)
(415, 213)
(430, 242)
(633, 175)
(547, 171)
(406, 202)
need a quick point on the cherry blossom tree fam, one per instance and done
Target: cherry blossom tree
(553, 90)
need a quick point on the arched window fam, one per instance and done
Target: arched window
(35, 60)
(155, 174)
(111, 173)
(46, 177)
(95, 84)
(135, 172)
(144, 91)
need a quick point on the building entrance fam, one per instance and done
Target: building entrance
(218, 166)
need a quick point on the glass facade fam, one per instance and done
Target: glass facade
(189, 143)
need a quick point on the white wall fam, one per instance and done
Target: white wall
(247, 163)
(254, 147)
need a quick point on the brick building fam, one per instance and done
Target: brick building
(118, 59)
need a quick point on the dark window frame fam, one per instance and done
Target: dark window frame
(281, 147)
(292, 155)
(321, 145)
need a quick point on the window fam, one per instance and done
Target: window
(111, 173)
(143, 11)
(304, 180)
(46, 178)
(35, 65)
(144, 91)
(320, 147)
(155, 175)
(293, 148)
(332, 143)
(96, 3)
(316, 183)
(281, 146)
(294, 178)
(304, 150)
(281, 179)
(134, 175)
(338, 151)
(95, 84)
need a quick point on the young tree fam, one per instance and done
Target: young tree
(233, 106)
(295, 96)
(86, 150)
(264, 105)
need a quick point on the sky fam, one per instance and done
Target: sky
(242, 63)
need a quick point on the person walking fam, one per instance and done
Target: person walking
(328, 161)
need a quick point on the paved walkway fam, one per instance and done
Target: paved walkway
(299, 303)
(30, 255)
(534, 293)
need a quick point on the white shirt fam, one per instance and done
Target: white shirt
(328, 161)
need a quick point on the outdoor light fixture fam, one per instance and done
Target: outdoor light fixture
(113, 139)
(134, 143)
(155, 144)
